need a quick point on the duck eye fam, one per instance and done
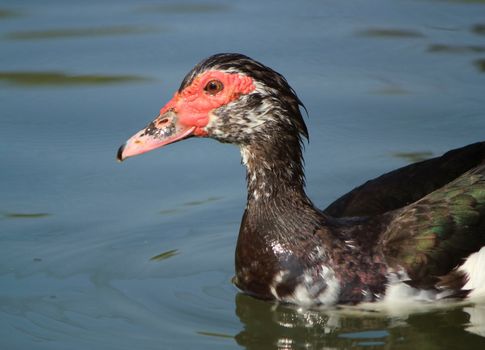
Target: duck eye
(213, 87)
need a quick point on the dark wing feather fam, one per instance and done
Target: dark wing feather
(431, 237)
(406, 185)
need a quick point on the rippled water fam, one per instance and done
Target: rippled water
(99, 255)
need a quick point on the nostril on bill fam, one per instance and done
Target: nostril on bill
(162, 122)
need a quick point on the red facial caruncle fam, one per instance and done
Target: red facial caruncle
(194, 103)
(187, 113)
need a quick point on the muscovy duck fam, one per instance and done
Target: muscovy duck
(417, 232)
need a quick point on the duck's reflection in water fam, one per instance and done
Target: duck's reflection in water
(267, 325)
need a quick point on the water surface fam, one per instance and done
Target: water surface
(99, 255)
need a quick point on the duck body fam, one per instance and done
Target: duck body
(290, 251)
(324, 267)
(421, 227)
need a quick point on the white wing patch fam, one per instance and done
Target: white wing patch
(474, 267)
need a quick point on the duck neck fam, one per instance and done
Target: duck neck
(277, 202)
(278, 233)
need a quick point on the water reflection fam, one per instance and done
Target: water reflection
(202, 201)
(184, 206)
(476, 323)
(78, 32)
(4, 13)
(391, 33)
(479, 29)
(480, 64)
(438, 48)
(26, 215)
(271, 326)
(214, 334)
(413, 157)
(62, 79)
(165, 255)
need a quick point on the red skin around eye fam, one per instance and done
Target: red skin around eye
(193, 104)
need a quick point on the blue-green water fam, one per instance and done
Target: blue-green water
(98, 255)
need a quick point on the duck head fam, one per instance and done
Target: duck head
(228, 97)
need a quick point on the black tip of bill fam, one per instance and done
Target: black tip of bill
(119, 155)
